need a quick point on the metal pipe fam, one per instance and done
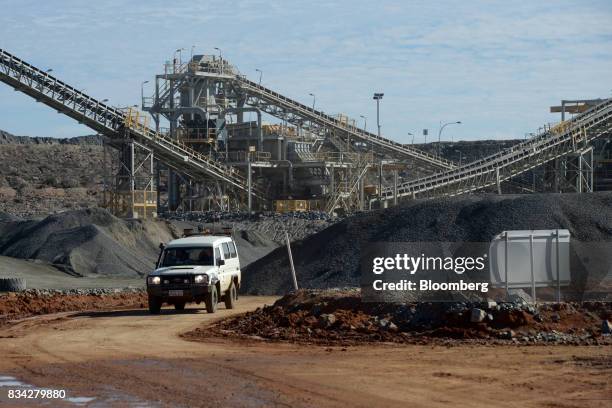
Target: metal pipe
(558, 271)
(249, 185)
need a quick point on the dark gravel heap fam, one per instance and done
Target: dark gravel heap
(87, 242)
(236, 216)
(330, 258)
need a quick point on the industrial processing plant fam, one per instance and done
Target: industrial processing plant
(195, 150)
(306, 204)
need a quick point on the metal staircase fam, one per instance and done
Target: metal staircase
(349, 189)
(279, 106)
(112, 122)
(555, 142)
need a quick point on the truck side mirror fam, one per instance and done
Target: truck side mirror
(221, 262)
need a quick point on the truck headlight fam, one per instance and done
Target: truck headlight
(154, 280)
(201, 279)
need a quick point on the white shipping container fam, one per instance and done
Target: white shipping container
(531, 258)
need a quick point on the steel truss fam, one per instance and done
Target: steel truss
(114, 123)
(566, 138)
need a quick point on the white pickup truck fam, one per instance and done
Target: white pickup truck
(203, 268)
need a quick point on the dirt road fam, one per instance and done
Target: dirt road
(129, 358)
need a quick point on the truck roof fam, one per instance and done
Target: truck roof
(200, 240)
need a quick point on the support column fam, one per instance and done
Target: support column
(362, 193)
(380, 183)
(579, 186)
(498, 181)
(557, 183)
(395, 177)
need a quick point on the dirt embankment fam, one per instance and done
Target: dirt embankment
(32, 303)
(339, 317)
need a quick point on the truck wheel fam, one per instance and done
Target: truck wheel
(12, 285)
(155, 304)
(211, 299)
(230, 297)
(179, 305)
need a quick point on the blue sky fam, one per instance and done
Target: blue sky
(496, 66)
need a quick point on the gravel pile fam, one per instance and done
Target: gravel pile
(89, 242)
(87, 292)
(330, 258)
(299, 225)
(339, 317)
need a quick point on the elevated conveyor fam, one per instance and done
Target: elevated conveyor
(564, 138)
(112, 122)
(277, 104)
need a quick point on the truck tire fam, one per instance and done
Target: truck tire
(230, 296)
(211, 299)
(179, 305)
(12, 285)
(155, 305)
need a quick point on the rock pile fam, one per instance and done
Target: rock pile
(339, 317)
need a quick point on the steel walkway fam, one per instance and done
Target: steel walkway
(113, 122)
(273, 100)
(570, 136)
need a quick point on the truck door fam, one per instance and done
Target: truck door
(227, 268)
(235, 267)
(218, 259)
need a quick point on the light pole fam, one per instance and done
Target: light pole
(365, 123)
(314, 99)
(142, 90)
(440, 132)
(410, 134)
(192, 48)
(260, 75)
(377, 97)
(220, 58)
(179, 52)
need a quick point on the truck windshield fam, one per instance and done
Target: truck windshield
(188, 256)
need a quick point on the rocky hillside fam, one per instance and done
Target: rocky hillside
(39, 175)
(7, 138)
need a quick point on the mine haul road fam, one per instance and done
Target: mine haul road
(130, 358)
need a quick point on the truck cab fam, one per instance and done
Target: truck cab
(195, 269)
